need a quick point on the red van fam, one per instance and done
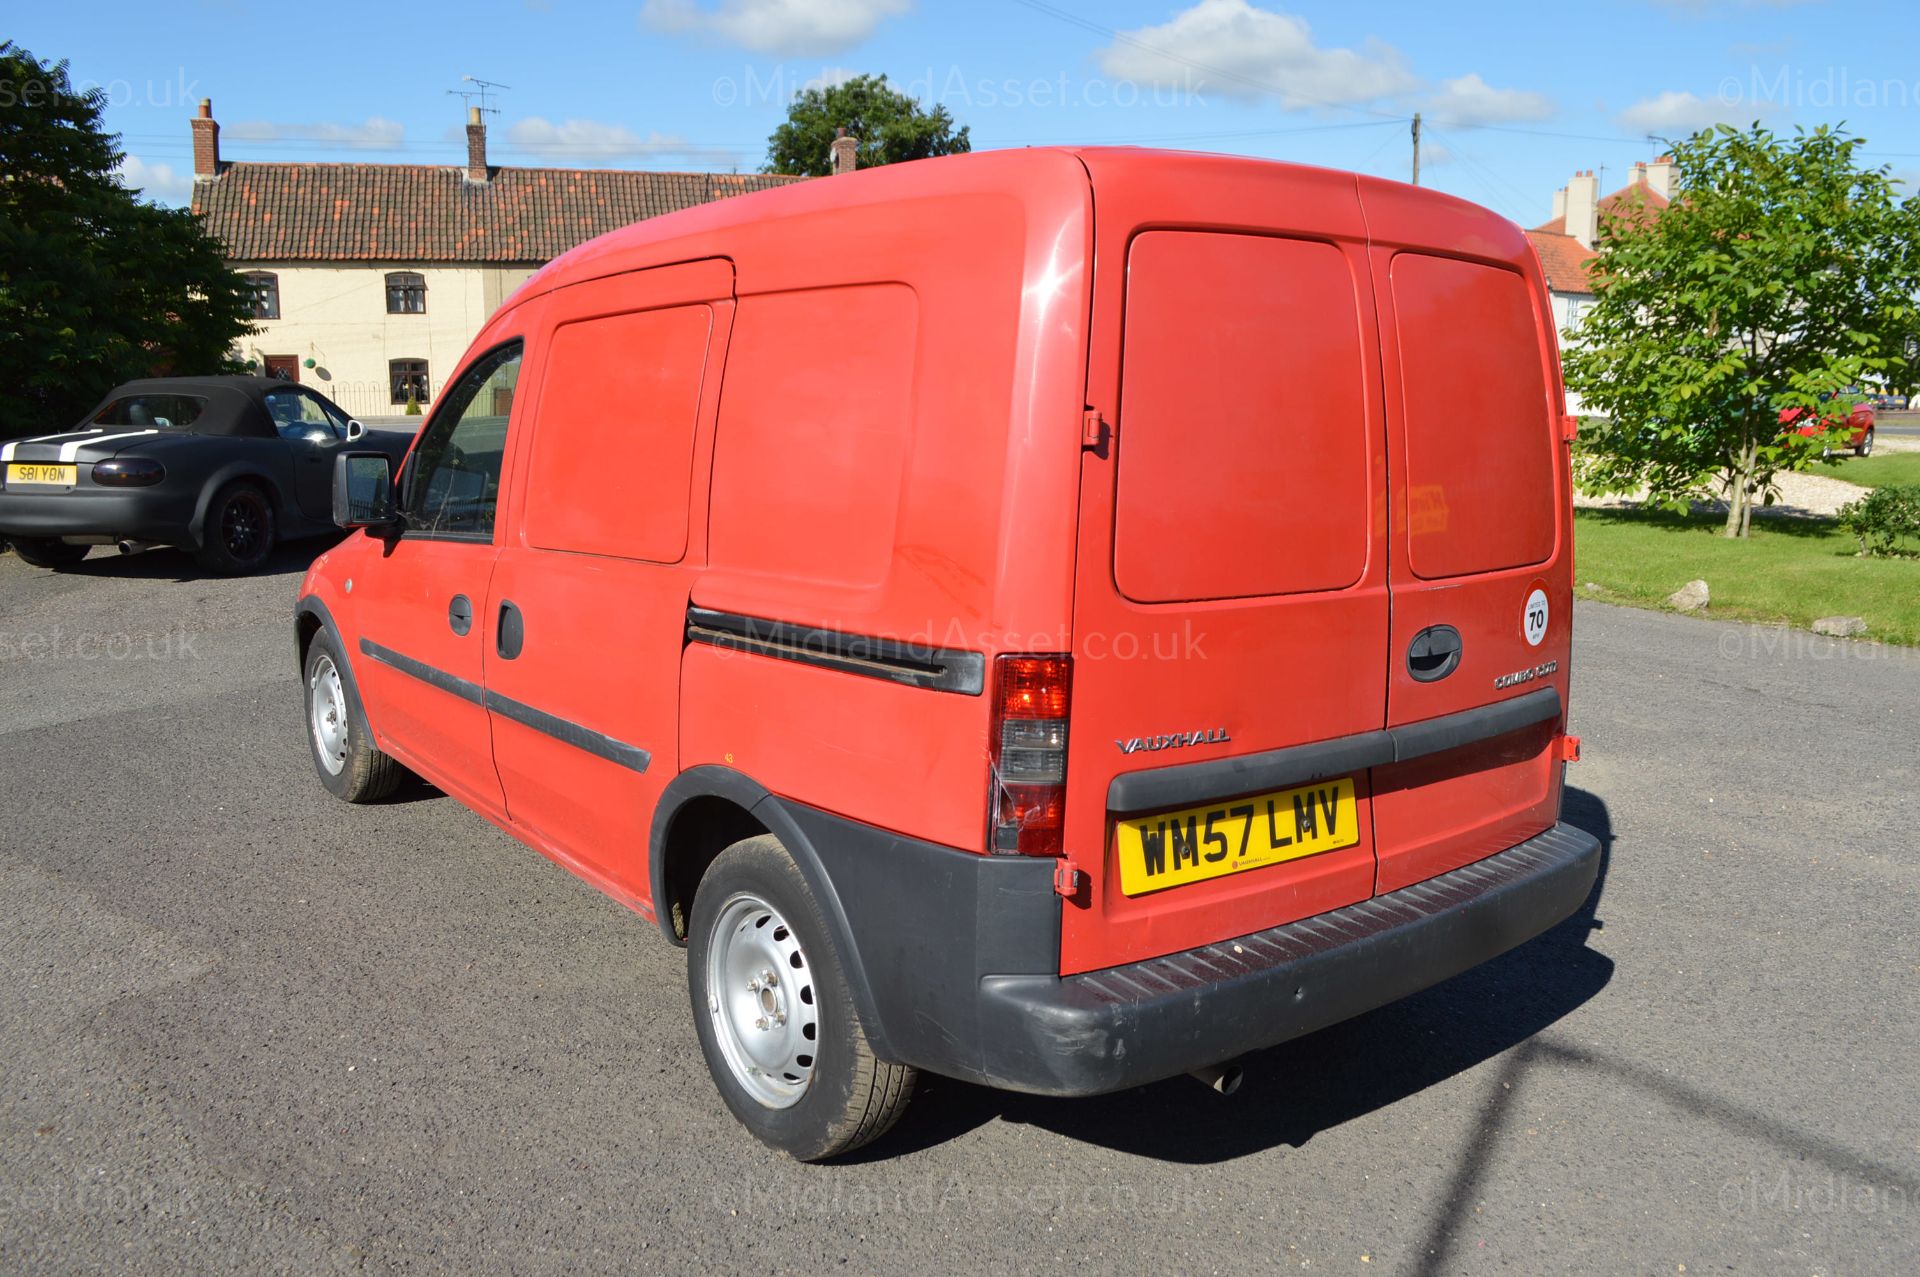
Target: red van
(1057, 619)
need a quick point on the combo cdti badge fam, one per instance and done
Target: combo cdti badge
(1051, 618)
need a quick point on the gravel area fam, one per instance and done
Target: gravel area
(1813, 494)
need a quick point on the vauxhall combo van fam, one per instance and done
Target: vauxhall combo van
(1056, 619)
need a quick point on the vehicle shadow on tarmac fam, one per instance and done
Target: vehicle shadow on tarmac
(1295, 1091)
(163, 563)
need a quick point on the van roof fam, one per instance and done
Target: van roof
(1033, 175)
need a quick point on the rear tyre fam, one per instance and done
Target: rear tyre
(240, 531)
(52, 555)
(349, 764)
(775, 1015)
(1865, 447)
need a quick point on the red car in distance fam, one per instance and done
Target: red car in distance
(1859, 419)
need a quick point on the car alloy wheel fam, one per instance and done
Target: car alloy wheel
(242, 524)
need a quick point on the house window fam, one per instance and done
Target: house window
(406, 293)
(266, 293)
(408, 374)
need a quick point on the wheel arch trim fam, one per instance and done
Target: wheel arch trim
(755, 799)
(312, 609)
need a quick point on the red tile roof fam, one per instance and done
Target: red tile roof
(430, 213)
(1565, 261)
(1623, 200)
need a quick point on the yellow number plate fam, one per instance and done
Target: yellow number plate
(48, 475)
(1178, 847)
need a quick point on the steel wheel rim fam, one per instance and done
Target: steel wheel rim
(767, 1028)
(240, 526)
(327, 715)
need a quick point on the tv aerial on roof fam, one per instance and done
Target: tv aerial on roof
(482, 89)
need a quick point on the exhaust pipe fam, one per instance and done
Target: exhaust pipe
(135, 547)
(1222, 1078)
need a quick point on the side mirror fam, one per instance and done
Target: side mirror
(355, 430)
(363, 490)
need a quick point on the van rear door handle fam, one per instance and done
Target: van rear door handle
(1434, 653)
(511, 634)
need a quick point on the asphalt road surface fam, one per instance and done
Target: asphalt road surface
(246, 1028)
(1905, 425)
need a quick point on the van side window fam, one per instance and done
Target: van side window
(820, 384)
(454, 484)
(620, 400)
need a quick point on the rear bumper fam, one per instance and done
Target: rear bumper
(136, 514)
(1107, 1030)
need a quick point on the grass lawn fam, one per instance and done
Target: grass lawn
(1877, 471)
(1790, 570)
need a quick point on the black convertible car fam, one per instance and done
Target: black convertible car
(224, 466)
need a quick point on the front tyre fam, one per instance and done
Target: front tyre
(240, 531)
(1865, 447)
(44, 553)
(349, 764)
(775, 1014)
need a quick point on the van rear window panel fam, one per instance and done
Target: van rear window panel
(1243, 448)
(1480, 442)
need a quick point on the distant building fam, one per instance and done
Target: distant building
(371, 280)
(1565, 244)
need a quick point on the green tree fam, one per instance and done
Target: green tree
(890, 125)
(96, 285)
(1782, 274)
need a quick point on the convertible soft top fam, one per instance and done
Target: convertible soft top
(234, 405)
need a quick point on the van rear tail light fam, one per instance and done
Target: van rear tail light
(1029, 744)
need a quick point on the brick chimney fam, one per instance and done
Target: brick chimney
(206, 143)
(476, 146)
(1583, 207)
(845, 152)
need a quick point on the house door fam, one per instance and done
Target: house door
(285, 367)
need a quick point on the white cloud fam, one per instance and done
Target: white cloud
(376, 134)
(1469, 101)
(574, 141)
(1237, 50)
(158, 182)
(786, 27)
(1677, 113)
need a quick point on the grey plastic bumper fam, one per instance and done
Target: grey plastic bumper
(1107, 1030)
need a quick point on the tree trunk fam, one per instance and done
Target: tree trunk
(1737, 503)
(1740, 491)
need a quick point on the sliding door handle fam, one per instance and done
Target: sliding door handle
(511, 633)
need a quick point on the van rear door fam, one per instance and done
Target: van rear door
(1480, 559)
(1231, 593)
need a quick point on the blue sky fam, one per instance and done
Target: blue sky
(1515, 97)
